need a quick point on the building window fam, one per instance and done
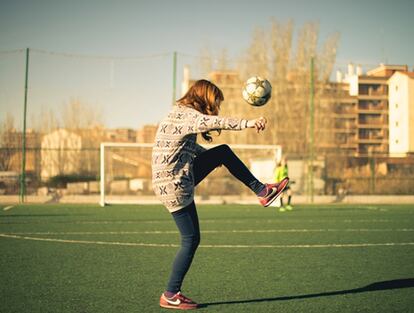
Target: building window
(396, 141)
(396, 105)
(396, 87)
(396, 124)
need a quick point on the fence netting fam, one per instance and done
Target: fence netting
(76, 102)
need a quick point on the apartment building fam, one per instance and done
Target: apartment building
(401, 114)
(342, 108)
(146, 134)
(121, 135)
(372, 110)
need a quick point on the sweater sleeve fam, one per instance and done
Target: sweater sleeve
(200, 123)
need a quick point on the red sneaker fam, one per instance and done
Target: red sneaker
(273, 191)
(178, 301)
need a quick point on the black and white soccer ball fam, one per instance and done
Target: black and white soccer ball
(257, 91)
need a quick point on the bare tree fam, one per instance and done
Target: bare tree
(223, 60)
(206, 61)
(44, 121)
(70, 143)
(8, 142)
(327, 56)
(281, 49)
(77, 115)
(257, 55)
(272, 56)
(86, 121)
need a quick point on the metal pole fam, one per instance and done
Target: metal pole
(371, 160)
(312, 127)
(23, 174)
(174, 77)
(102, 175)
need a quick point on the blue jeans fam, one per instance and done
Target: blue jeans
(187, 219)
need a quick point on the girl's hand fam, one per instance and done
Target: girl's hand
(259, 123)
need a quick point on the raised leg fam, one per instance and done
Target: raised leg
(207, 161)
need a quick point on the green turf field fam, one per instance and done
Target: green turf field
(82, 258)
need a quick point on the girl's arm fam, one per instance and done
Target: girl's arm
(203, 123)
(200, 123)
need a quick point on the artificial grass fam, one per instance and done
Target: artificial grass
(276, 267)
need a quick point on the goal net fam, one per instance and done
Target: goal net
(125, 173)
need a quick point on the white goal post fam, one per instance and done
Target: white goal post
(125, 169)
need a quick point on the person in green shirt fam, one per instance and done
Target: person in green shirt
(281, 172)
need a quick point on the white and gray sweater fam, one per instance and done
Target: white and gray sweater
(174, 150)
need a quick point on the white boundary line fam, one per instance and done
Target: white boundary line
(255, 231)
(89, 242)
(208, 221)
(203, 221)
(8, 207)
(140, 244)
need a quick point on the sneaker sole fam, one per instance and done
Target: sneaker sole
(277, 195)
(167, 306)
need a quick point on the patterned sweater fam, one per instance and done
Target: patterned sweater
(174, 150)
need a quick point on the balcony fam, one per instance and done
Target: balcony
(372, 119)
(372, 134)
(372, 149)
(345, 109)
(345, 115)
(375, 105)
(372, 126)
(373, 97)
(373, 111)
(348, 145)
(372, 140)
(345, 124)
(344, 130)
(373, 89)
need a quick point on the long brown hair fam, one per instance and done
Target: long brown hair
(204, 97)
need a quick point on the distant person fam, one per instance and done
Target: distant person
(179, 164)
(281, 173)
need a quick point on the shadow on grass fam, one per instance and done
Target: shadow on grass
(383, 285)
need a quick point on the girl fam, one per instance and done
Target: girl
(179, 164)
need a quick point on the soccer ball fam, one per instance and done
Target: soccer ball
(257, 91)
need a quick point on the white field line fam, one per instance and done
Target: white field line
(205, 221)
(232, 221)
(140, 244)
(8, 207)
(246, 231)
(90, 242)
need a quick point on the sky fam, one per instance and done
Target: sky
(116, 56)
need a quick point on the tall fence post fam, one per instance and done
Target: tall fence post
(23, 173)
(174, 77)
(312, 127)
(102, 175)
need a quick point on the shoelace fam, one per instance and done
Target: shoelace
(184, 298)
